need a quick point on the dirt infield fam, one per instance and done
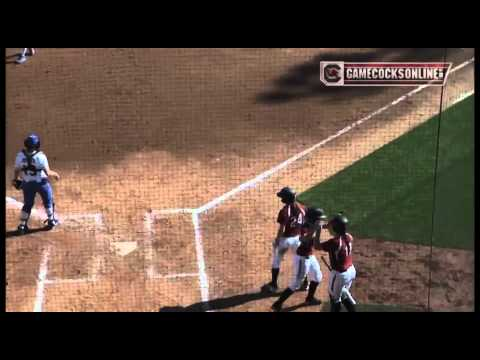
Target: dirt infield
(137, 130)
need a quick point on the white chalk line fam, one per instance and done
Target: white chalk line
(148, 245)
(69, 281)
(149, 220)
(202, 273)
(41, 214)
(462, 97)
(174, 276)
(42, 276)
(96, 262)
(172, 211)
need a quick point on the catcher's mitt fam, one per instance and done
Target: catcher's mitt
(17, 184)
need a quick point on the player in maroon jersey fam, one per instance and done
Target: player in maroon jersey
(290, 220)
(343, 272)
(304, 262)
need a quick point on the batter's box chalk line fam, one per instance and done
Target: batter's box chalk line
(149, 220)
(68, 221)
(65, 220)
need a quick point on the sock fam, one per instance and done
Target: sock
(24, 217)
(349, 305)
(335, 306)
(50, 212)
(284, 296)
(275, 273)
(311, 290)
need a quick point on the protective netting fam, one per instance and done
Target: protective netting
(170, 160)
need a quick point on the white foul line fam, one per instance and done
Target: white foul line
(251, 183)
(42, 276)
(463, 97)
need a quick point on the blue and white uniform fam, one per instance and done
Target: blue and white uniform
(34, 180)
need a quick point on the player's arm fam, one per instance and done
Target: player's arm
(16, 173)
(51, 173)
(48, 171)
(322, 246)
(316, 239)
(280, 232)
(17, 182)
(325, 245)
(18, 168)
(282, 221)
(46, 168)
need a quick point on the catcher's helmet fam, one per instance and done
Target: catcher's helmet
(287, 195)
(339, 224)
(32, 142)
(314, 214)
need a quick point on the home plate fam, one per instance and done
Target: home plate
(123, 248)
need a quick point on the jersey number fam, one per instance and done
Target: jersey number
(296, 222)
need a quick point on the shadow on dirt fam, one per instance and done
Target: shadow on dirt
(300, 306)
(10, 59)
(15, 233)
(220, 304)
(303, 80)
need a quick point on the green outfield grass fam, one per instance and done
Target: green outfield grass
(388, 194)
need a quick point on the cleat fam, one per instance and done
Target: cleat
(272, 288)
(304, 286)
(22, 229)
(269, 288)
(276, 307)
(313, 301)
(21, 59)
(51, 224)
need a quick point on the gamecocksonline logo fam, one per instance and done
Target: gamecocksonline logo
(339, 73)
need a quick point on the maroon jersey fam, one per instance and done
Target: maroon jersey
(292, 217)
(306, 244)
(340, 252)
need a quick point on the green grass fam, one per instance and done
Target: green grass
(389, 194)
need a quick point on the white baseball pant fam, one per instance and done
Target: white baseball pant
(340, 283)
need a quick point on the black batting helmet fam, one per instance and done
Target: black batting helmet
(314, 214)
(287, 195)
(339, 223)
(32, 142)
